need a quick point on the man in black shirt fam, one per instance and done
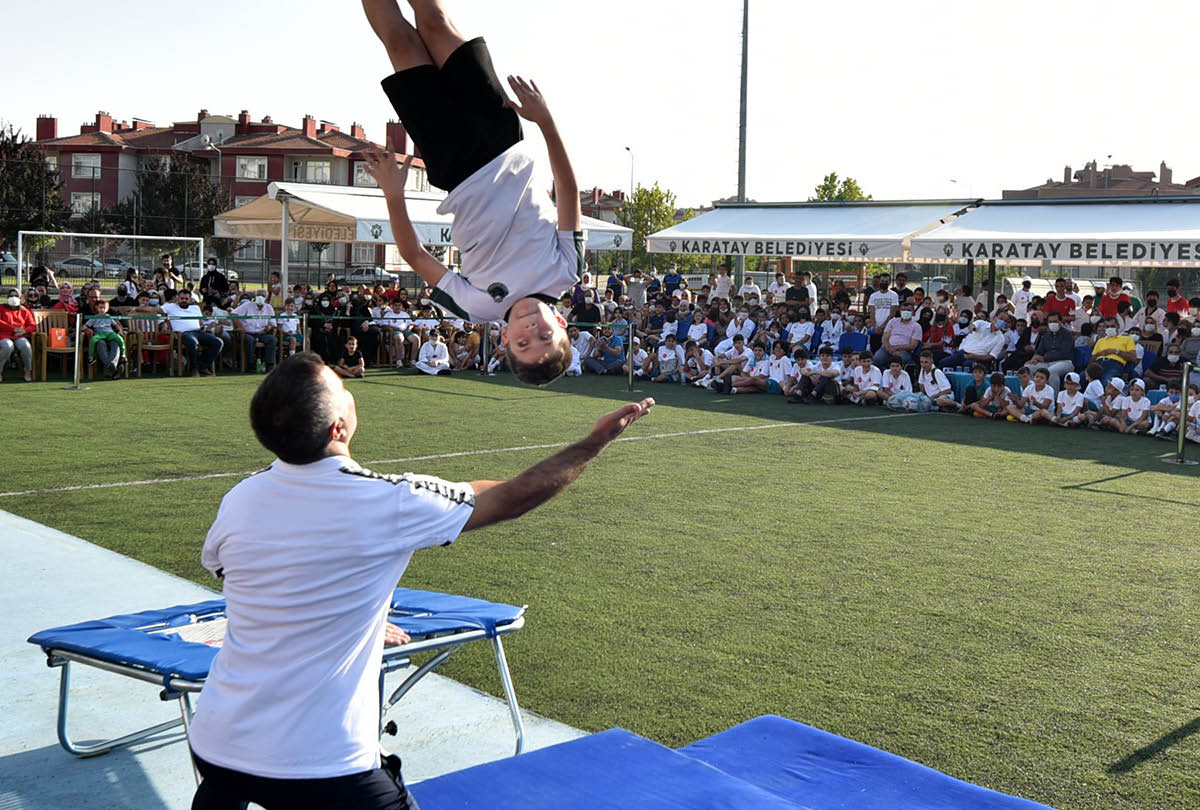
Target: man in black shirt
(586, 312)
(214, 281)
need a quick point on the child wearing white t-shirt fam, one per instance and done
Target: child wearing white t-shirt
(1039, 399)
(518, 253)
(1137, 409)
(1193, 421)
(868, 380)
(1072, 405)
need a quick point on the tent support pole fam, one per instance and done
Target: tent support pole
(283, 246)
(991, 286)
(971, 274)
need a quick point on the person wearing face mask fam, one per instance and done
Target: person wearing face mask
(833, 329)
(1114, 352)
(800, 331)
(326, 340)
(1054, 351)
(982, 346)
(1175, 301)
(884, 305)
(901, 339)
(740, 325)
(938, 338)
(1168, 370)
(257, 327)
(369, 335)
(17, 327)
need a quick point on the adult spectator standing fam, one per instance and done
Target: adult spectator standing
(671, 280)
(1151, 311)
(317, 662)
(901, 288)
(884, 303)
(1021, 299)
(964, 301)
(171, 278)
(615, 281)
(185, 317)
(982, 346)
(982, 298)
(42, 276)
(1060, 302)
(1054, 350)
(901, 338)
(749, 288)
(635, 288)
(214, 282)
(1175, 301)
(255, 328)
(809, 287)
(17, 326)
(1113, 296)
(1114, 352)
(723, 284)
(778, 287)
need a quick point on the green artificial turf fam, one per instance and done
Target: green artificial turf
(1013, 605)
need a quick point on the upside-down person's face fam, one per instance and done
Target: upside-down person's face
(534, 330)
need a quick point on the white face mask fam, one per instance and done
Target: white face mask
(906, 315)
(1172, 358)
(983, 326)
(1110, 331)
(260, 300)
(1055, 326)
(14, 301)
(1136, 338)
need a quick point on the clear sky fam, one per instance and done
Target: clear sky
(905, 96)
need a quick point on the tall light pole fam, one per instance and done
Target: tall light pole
(629, 149)
(740, 272)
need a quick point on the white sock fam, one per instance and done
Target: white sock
(1169, 427)
(733, 390)
(493, 364)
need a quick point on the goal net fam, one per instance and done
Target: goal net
(109, 259)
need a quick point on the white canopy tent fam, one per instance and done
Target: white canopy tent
(1135, 232)
(306, 212)
(823, 231)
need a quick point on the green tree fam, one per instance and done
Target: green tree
(831, 189)
(171, 197)
(31, 195)
(650, 210)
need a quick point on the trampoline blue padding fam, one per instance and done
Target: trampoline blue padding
(130, 639)
(423, 613)
(817, 770)
(614, 769)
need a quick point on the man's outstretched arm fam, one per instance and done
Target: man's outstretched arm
(504, 500)
(531, 106)
(391, 179)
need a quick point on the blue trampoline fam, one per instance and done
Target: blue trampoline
(174, 648)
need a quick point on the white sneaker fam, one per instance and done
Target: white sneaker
(703, 381)
(1027, 419)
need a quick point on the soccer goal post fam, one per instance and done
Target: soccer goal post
(105, 256)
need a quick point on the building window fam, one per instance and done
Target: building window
(362, 177)
(252, 168)
(253, 250)
(364, 253)
(417, 180)
(85, 166)
(311, 171)
(52, 162)
(82, 202)
(241, 200)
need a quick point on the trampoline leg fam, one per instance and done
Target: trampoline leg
(185, 714)
(511, 693)
(411, 680)
(95, 749)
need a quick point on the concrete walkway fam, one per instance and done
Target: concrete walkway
(54, 579)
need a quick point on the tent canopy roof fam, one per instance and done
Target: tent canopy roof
(324, 213)
(1138, 231)
(836, 231)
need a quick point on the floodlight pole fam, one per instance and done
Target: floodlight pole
(740, 271)
(1181, 432)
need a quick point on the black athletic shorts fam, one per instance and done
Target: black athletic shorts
(458, 116)
(378, 789)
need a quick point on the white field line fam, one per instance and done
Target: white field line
(459, 454)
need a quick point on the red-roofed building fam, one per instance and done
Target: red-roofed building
(99, 165)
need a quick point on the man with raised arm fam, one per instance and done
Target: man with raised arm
(518, 252)
(290, 712)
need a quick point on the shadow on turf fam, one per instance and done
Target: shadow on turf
(51, 779)
(1155, 748)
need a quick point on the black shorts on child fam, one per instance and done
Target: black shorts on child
(458, 116)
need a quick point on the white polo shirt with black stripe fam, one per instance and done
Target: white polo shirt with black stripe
(310, 555)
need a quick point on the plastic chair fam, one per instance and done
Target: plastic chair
(46, 320)
(852, 341)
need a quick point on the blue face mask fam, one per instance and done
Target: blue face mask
(1173, 397)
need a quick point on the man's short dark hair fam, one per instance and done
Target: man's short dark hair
(552, 365)
(292, 410)
(825, 350)
(1174, 283)
(927, 353)
(997, 378)
(978, 367)
(1115, 280)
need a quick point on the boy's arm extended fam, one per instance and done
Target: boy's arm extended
(531, 106)
(391, 179)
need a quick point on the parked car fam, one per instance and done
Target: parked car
(117, 268)
(194, 270)
(8, 263)
(368, 275)
(80, 266)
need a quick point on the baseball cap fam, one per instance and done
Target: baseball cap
(1072, 377)
(1117, 383)
(1138, 384)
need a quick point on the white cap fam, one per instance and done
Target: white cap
(637, 341)
(1138, 384)
(1117, 383)
(1071, 376)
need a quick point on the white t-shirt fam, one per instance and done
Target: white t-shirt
(868, 380)
(434, 354)
(173, 312)
(934, 383)
(706, 357)
(1071, 405)
(294, 691)
(1038, 399)
(1020, 301)
(698, 332)
(1094, 392)
(723, 286)
(750, 288)
(255, 325)
(582, 343)
(897, 385)
(733, 354)
(780, 368)
(1194, 413)
(1136, 410)
(639, 358)
(778, 289)
(397, 319)
(832, 331)
(745, 328)
(289, 324)
(507, 232)
(670, 360)
(882, 301)
(800, 332)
